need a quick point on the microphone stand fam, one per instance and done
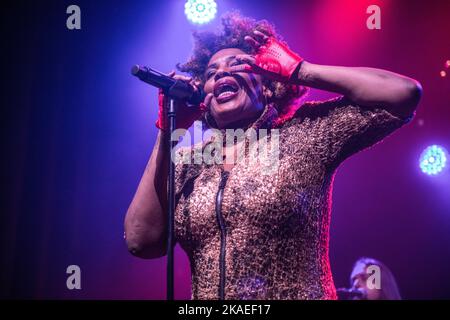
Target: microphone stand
(171, 116)
(175, 92)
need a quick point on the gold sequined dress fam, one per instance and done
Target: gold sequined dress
(270, 238)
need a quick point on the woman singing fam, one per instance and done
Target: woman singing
(251, 234)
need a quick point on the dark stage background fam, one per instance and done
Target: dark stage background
(79, 129)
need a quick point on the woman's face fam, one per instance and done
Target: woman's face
(237, 97)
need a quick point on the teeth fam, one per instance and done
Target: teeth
(225, 94)
(225, 89)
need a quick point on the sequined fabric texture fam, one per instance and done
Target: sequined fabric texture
(277, 224)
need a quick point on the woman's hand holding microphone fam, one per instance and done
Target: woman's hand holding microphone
(186, 114)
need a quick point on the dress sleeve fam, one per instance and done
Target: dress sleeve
(181, 169)
(342, 128)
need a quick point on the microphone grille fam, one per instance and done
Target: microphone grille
(135, 70)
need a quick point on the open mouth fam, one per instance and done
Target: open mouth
(226, 89)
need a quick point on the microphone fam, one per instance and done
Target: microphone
(174, 88)
(350, 294)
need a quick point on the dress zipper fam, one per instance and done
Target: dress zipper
(223, 233)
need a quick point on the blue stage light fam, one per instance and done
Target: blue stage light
(200, 11)
(433, 160)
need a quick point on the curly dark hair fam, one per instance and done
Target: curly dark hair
(235, 27)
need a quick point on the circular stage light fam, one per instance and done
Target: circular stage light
(433, 160)
(200, 11)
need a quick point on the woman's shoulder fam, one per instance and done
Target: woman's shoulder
(315, 110)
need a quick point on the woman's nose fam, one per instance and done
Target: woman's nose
(221, 73)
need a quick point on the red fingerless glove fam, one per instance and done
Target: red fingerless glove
(185, 115)
(161, 123)
(276, 58)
